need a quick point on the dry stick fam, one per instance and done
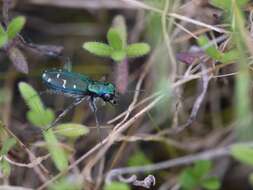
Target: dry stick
(206, 155)
(157, 138)
(84, 4)
(8, 187)
(9, 84)
(205, 80)
(191, 34)
(32, 157)
(136, 106)
(175, 15)
(27, 165)
(5, 9)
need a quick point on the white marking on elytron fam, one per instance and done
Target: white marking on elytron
(49, 80)
(44, 75)
(58, 75)
(74, 86)
(64, 83)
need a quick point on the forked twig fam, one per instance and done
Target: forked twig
(205, 82)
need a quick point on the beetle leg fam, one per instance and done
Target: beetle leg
(62, 114)
(92, 104)
(93, 107)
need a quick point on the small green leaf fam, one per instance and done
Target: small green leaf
(71, 130)
(56, 151)
(209, 49)
(201, 168)
(230, 56)
(5, 168)
(211, 183)
(118, 56)
(137, 49)
(116, 186)
(242, 3)
(97, 48)
(188, 180)
(226, 4)
(31, 97)
(2, 31)
(3, 36)
(114, 39)
(7, 145)
(41, 119)
(242, 153)
(15, 26)
(67, 184)
(120, 23)
(138, 159)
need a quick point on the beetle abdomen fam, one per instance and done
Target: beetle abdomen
(66, 82)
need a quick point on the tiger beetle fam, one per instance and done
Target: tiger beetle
(80, 87)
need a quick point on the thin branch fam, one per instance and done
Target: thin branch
(7, 187)
(5, 9)
(34, 163)
(206, 155)
(175, 15)
(86, 4)
(147, 182)
(205, 81)
(38, 169)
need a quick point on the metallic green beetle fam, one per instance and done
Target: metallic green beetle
(79, 86)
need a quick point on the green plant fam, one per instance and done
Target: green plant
(116, 186)
(242, 153)
(138, 159)
(14, 27)
(7, 37)
(67, 184)
(227, 57)
(42, 117)
(226, 4)
(197, 176)
(239, 53)
(5, 167)
(117, 48)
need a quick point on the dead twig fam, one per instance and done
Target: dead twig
(206, 155)
(34, 163)
(205, 81)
